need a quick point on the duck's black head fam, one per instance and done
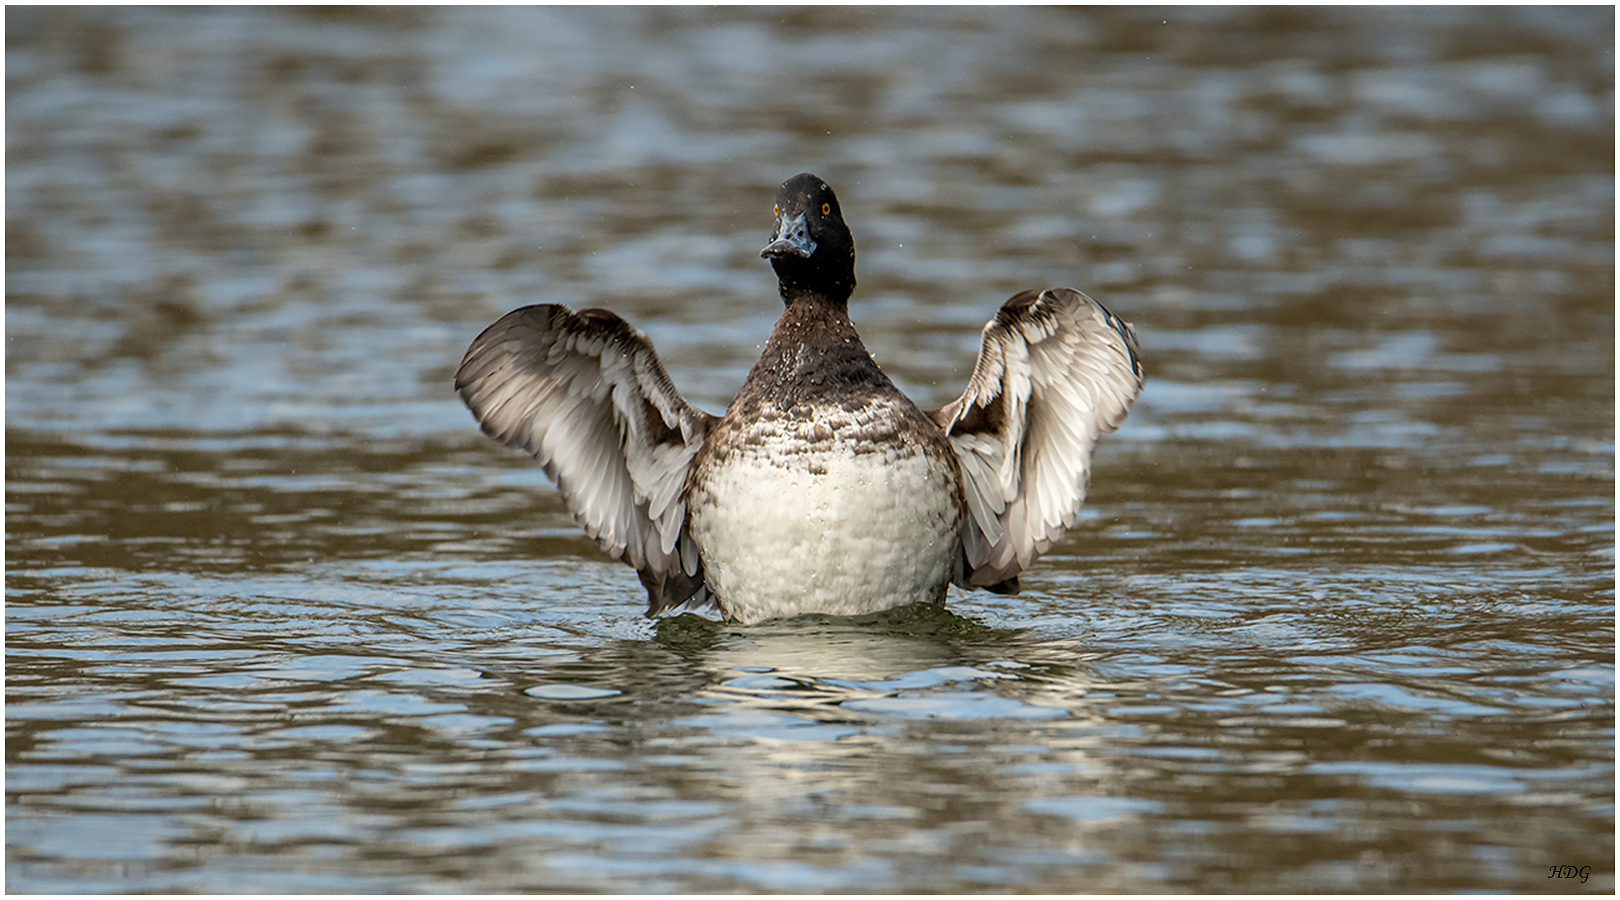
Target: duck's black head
(811, 248)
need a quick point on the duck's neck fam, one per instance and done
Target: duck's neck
(813, 356)
(798, 281)
(815, 299)
(813, 320)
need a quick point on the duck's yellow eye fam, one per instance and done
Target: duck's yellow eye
(826, 209)
(776, 210)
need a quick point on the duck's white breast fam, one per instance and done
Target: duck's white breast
(805, 520)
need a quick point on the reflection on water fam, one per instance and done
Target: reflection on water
(1338, 615)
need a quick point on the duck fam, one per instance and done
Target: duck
(822, 489)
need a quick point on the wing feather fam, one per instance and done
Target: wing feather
(1056, 370)
(585, 394)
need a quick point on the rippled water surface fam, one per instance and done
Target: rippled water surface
(1339, 615)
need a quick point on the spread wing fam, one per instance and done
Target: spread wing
(1056, 370)
(585, 394)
